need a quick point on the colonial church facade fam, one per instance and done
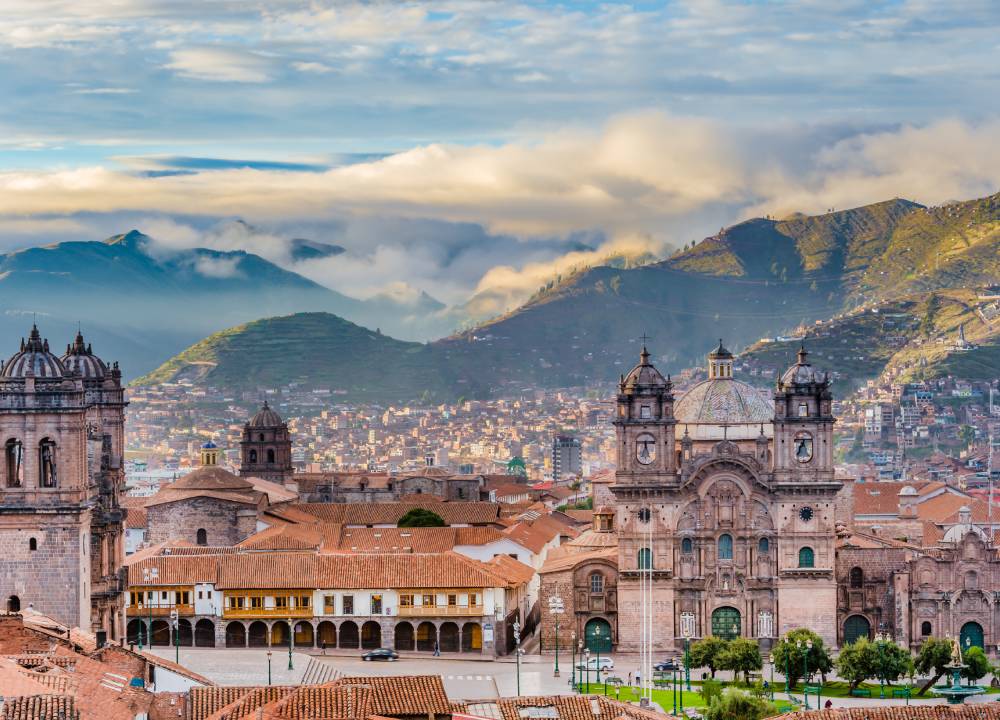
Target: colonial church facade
(61, 526)
(724, 506)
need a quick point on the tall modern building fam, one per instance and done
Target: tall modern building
(567, 457)
(61, 525)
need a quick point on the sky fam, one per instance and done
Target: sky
(469, 148)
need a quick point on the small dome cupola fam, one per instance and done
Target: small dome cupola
(34, 360)
(644, 378)
(80, 359)
(720, 363)
(209, 454)
(802, 373)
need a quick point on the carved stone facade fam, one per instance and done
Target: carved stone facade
(62, 474)
(726, 515)
(355, 487)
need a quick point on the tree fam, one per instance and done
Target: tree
(741, 655)
(978, 665)
(854, 663)
(789, 657)
(706, 652)
(889, 661)
(420, 517)
(735, 704)
(934, 655)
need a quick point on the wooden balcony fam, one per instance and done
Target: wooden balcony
(134, 611)
(276, 613)
(442, 611)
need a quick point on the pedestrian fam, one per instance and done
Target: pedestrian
(828, 704)
(437, 649)
(638, 678)
(629, 677)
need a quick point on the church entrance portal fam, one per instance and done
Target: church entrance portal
(598, 633)
(856, 627)
(972, 636)
(726, 623)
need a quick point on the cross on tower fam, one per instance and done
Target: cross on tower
(644, 337)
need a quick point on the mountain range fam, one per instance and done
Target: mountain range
(759, 278)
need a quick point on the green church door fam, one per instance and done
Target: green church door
(598, 633)
(856, 627)
(972, 635)
(726, 623)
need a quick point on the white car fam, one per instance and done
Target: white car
(595, 664)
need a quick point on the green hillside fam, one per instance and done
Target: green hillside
(317, 349)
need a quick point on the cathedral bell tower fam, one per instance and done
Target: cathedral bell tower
(645, 425)
(803, 425)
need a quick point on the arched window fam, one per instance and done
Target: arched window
(725, 547)
(687, 546)
(596, 583)
(764, 546)
(806, 557)
(857, 577)
(32, 544)
(14, 465)
(253, 456)
(13, 604)
(645, 559)
(925, 628)
(260, 437)
(270, 455)
(46, 463)
(202, 536)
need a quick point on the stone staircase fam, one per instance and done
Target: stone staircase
(319, 672)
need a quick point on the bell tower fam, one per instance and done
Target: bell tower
(803, 424)
(644, 424)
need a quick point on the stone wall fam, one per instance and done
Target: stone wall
(808, 603)
(225, 522)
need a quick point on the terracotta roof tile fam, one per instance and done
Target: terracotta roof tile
(40, 707)
(453, 513)
(404, 695)
(977, 711)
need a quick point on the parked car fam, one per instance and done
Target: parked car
(594, 664)
(381, 654)
(667, 666)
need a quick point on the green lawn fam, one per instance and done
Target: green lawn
(664, 698)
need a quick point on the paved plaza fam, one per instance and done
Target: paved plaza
(464, 679)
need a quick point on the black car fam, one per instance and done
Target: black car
(381, 654)
(667, 666)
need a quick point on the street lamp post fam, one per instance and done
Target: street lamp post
(556, 608)
(174, 620)
(770, 660)
(673, 686)
(597, 645)
(879, 641)
(142, 629)
(586, 665)
(805, 648)
(517, 653)
(572, 678)
(291, 643)
(687, 659)
(269, 667)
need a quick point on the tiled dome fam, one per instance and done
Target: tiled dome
(802, 373)
(723, 401)
(34, 359)
(266, 417)
(644, 377)
(80, 358)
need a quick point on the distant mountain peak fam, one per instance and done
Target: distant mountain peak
(130, 239)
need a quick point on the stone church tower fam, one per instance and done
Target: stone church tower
(266, 447)
(725, 507)
(62, 473)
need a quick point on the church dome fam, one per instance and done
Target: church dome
(80, 359)
(210, 477)
(956, 533)
(34, 359)
(723, 401)
(266, 418)
(644, 377)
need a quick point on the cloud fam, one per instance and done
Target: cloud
(218, 64)
(316, 68)
(218, 267)
(498, 220)
(105, 91)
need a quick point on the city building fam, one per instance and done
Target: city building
(567, 457)
(62, 532)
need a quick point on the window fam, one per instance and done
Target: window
(202, 536)
(764, 546)
(644, 412)
(376, 605)
(280, 602)
(645, 559)
(806, 558)
(260, 437)
(596, 583)
(725, 547)
(32, 544)
(428, 601)
(803, 410)
(473, 599)
(253, 456)
(270, 455)
(13, 604)
(461, 493)
(406, 601)
(303, 601)
(857, 577)
(184, 597)
(925, 628)
(348, 604)
(452, 600)
(15, 468)
(644, 515)
(135, 598)
(687, 546)
(46, 463)
(256, 603)
(329, 604)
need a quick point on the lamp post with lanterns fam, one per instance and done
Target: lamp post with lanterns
(572, 679)
(269, 667)
(175, 622)
(805, 647)
(291, 642)
(557, 608)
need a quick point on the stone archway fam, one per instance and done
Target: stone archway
(726, 623)
(856, 627)
(449, 637)
(281, 634)
(236, 634)
(326, 635)
(161, 633)
(348, 632)
(257, 635)
(472, 637)
(204, 633)
(303, 634)
(371, 635)
(405, 638)
(185, 633)
(426, 636)
(597, 633)
(972, 636)
(135, 633)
